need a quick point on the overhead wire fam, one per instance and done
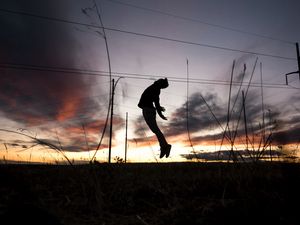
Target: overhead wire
(144, 34)
(199, 21)
(84, 72)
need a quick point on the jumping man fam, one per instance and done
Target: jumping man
(150, 96)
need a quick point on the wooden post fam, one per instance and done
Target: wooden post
(262, 104)
(245, 120)
(126, 136)
(111, 119)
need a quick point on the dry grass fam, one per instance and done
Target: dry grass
(183, 193)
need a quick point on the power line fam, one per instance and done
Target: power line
(200, 44)
(199, 21)
(82, 72)
(145, 35)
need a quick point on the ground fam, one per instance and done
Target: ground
(156, 194)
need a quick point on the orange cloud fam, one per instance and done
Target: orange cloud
(68, 109)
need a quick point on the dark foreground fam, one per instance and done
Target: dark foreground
(153, 194)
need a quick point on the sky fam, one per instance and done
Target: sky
(55, 82)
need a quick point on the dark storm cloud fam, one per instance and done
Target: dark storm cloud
(200, 117)
(288, 128)
(211, 111)
(253, 107)
(226, 155)
(287, 136)
(35, 96)
(33, 99)
(291, 122)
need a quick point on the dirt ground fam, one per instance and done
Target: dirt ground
(150, 194)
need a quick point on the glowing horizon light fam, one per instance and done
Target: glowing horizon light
(144, 154)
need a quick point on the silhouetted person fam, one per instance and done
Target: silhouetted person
(150, 96)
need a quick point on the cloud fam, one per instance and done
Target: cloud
(199, 115)
(90, 131)
(200, 118)
(211, 111)
(211, 115)
(226, 155)
(34, 97)
(290, 136)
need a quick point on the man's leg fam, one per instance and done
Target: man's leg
(150, 118)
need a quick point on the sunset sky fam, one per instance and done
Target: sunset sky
(55, 83)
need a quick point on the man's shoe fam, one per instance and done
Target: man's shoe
(162, 152)
(167, 150)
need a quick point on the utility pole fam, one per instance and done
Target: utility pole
(126, 136)
(111, 119)
(112, 115)
(298, 60)
(245, 120)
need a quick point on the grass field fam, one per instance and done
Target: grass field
(171, 193)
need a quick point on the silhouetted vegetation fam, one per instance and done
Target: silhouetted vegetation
(182, 193)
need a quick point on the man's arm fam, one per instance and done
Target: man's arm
(161, 115)
(159, 108)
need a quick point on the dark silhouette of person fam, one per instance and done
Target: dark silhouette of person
(150, 96)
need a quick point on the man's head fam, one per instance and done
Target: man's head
(162, 83)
